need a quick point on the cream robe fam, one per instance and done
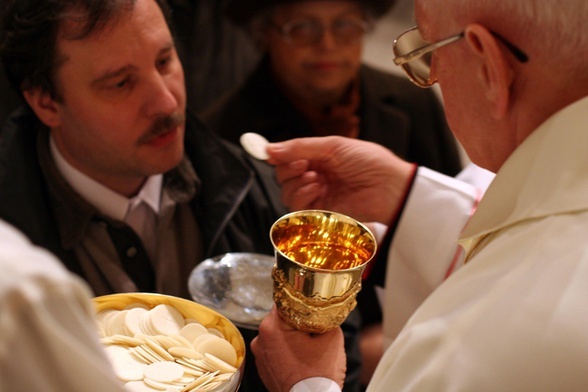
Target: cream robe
(515, 318)
(48, 337)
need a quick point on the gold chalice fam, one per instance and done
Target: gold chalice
(320, 258)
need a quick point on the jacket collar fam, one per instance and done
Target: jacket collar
(226, 176)
(545, 175)
(380, 105)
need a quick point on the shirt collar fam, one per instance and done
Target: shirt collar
(105, 200)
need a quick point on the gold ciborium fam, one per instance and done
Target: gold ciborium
(320, 258)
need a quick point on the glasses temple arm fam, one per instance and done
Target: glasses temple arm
(399, 60)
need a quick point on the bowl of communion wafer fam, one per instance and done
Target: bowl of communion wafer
(320, 259)
(157, 342)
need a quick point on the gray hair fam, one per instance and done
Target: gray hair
(553, 29)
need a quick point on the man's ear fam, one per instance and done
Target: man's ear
(44, 106)
(496, 72)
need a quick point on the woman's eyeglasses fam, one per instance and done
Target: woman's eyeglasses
(309, 32)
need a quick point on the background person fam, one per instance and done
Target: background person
(513, 317)
(312, 82)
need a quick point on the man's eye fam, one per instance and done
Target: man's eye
(303, 28)
(349, 27)
(121, 84)
(161, 63)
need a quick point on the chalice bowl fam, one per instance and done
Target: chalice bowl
(320, 259)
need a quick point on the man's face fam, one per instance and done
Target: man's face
(121, 113)
(322, 69)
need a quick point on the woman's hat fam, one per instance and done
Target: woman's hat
(242, 11)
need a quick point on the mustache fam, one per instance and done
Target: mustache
(163, 125)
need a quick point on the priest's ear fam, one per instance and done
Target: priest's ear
(44, 105)
(495, 72)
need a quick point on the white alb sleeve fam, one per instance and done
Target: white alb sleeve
(424, 250)
(48, 336)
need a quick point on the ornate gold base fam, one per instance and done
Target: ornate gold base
(311, 314)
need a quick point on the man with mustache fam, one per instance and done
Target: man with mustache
(104, 167)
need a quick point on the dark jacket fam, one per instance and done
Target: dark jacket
(216, 54)
(238, 202)
(393, 112)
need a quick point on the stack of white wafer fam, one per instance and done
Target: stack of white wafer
(158, 350)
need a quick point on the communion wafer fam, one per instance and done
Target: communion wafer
(192, 331)
(220, 364)
(158, 349)
(149, 360)
(160, 386)
(133, 320)
(164, 341)
(166, 320)
(183, 352)
(139, 386)
(182, 341)
(164, 371)
(200, 339)
(116, 324)
(220, 348)
(126, 367)
(136, 305)
(255, 145)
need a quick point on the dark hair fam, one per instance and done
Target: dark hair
(29, 30)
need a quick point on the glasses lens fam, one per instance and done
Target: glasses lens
(418, 68)
(309, 32)
(348, 30)
(304, 32)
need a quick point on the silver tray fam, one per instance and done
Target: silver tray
(237, 285)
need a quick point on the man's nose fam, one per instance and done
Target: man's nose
(160, 97)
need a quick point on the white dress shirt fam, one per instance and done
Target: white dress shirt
(140, 212)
